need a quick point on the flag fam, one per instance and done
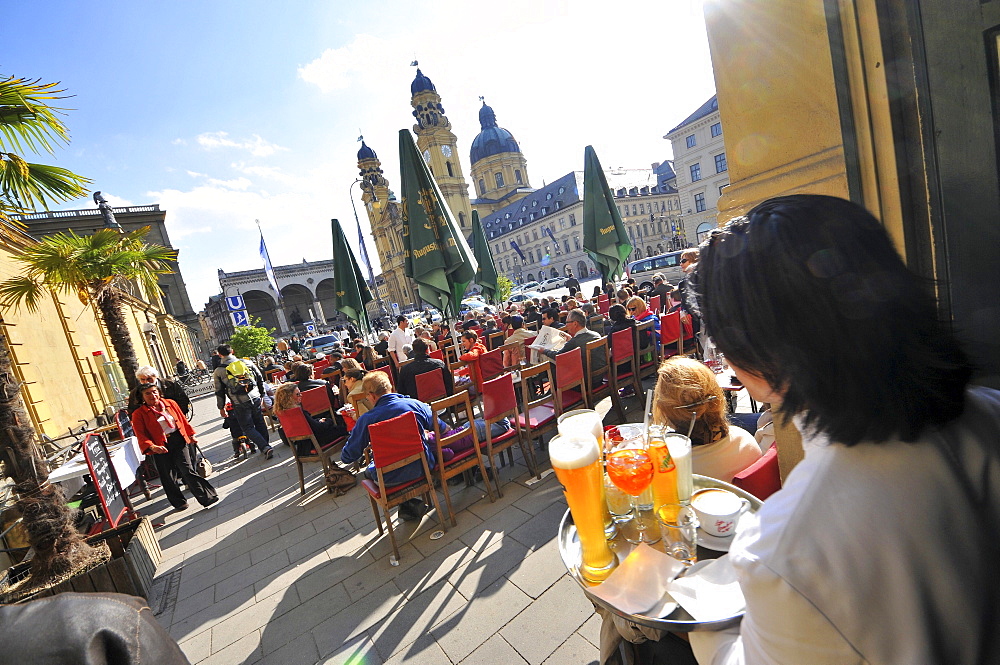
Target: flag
(268, 268)
(516, 248)
(546, 229)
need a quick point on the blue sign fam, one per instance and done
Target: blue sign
(310, 327)
(240, 318)
(235, 303)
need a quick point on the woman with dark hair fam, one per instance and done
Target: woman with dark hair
(882, 545)
(620, 320)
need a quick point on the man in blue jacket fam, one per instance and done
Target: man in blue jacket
(389, 405)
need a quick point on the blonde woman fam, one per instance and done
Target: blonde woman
(327, 430)
(686, 388)
(352, 382)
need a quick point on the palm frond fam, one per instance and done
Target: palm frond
(22, 291)
(25, 187)
(28, 121)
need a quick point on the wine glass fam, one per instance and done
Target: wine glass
(630, 468)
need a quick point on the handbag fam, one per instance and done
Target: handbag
(202, 467)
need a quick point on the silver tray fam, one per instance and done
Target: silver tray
(678, 621)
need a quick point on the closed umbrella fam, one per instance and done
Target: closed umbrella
(351, 293)
(604, 236)
(486, 276)
(436, 255)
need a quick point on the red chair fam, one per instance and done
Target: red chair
(394, 444)
(430, 385)
(277, 376)
(603, 304)
(674, 339)
(317, 401)
(654, 305)
(538, 408)
(387, 372)
(464, 460)
(296, 428)
(569, 375)
(499, 402)
(437, 355)
(762, 478)
(623, 365)
(599, 379)
(491, 365)
(319, 366)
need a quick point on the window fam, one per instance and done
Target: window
(534, 204)
(531, 257)
(699, 202)
(576, 242)
(531, 216)
(690, 140)
(695, 172)
(562, 189)
(545, 211)
(566, 245)
(572, 219)
(642, 208)
(506, 215)
(644, 231)
(451, 171)
(717, 129)
(633, 210)
(499, 178)
(720, 163)
(461, 219)
(535, 234)
(548, 197)
(496, 248)
(703, 230)
(482, 186)
(562, 222)
(558, 205)
(517, 176)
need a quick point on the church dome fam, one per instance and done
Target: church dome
(493, 139)
(421, 84)
(366, 152)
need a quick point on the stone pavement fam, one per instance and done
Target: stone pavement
(270, 576)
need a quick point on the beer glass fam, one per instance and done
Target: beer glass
(680, 450)
(631, 468)
(576, 461)
(587, 422)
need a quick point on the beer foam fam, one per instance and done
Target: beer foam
(573, 452)
(582, 423)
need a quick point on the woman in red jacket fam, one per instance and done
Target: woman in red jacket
(164, 432)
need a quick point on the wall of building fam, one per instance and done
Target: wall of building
(702, 167)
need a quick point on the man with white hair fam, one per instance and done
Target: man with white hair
(169, 389)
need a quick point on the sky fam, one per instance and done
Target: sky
(230, 112)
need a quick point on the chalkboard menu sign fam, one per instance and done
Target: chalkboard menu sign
(106, 483)
(124, 424)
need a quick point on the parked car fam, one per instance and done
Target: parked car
(552, 284)
(644, 269)
(527, 286)
(324, 343)
(527, 295)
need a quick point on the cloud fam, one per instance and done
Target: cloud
(179, 142)
(335, 67)
(257, 146)
(235, 183)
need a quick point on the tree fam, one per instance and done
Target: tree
(504, 287)
(252, 341)
(28, 121)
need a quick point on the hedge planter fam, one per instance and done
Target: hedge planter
(135, 553)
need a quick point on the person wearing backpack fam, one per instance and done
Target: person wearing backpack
(242, 382)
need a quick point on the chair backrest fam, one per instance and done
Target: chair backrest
(646, 330)
(430, 385)
(762, 478)
(461, 401)
(603, 304)
(597, 376)
(532, 378)
(654, 304)
(569, 374)
(278, 376)
(670, 334)
(528, 341)
(596, 323)
(499, 399)
(294, 423)
(533, 326)
(316, 400)
(494, 340)
(388, 372)
(437, 355)
(622, 348)
(395, 440)
(491, 364)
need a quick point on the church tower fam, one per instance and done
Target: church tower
(437, 143)
(499, 169)
(387, 226)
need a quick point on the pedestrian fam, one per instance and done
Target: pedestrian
(572, 283)
(164, 432)
(169, 389)
(242, 382)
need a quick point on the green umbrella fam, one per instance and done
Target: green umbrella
(436, 255)
(351, 293)
(604, 236)
(486, 276)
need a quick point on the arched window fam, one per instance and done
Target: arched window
(499, 179)
(576, 242)
(482, 186)
(461, 219)
(451, 171)
(703, 230)
(517, 176)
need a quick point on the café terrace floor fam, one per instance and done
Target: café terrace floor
(270, 576)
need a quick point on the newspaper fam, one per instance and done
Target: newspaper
(549, 339)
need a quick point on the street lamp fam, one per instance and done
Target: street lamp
(383, 312)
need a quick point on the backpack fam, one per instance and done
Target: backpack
(239, 378)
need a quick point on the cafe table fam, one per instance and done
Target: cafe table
(678, 621)
(125, 458)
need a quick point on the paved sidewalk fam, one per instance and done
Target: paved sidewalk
(267, 575)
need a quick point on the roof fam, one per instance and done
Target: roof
(421, 83)
(493, 139)
(709, 107)
(366, 152)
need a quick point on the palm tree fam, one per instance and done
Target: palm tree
(28, 121)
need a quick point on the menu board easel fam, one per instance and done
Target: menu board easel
(114, 502)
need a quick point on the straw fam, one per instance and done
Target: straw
(649, 407)
(694, 417)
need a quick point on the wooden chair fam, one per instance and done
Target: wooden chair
(317, 402)
(672, 336)
(622, 361)
(437, 355)
(499, 402)
(387, 372)
(394, 444)
(494, 340)
(599, 379)
(533, 326)
(451, 354)
(596, 323)
(654, 305)
(648, 359)
(430, 385)
(603, 304)
(319, 366)
(538, 407)
(463, 461)
(296, 428)
(762, 478)
(491, 365)
(569, 375)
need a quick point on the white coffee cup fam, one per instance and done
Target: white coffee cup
(718, 510)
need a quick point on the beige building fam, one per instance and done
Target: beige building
(650, 209)
(701, 166)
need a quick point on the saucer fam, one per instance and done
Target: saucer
(710, 542)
